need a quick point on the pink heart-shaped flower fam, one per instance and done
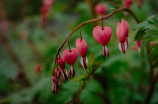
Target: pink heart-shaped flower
(70, 56)
(102, 36)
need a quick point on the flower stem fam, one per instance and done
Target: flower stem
(102, 23)
(151, 89)
(81, 34)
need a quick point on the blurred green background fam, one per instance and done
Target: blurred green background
(118, 79)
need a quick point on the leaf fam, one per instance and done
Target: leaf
(93, 65)
(151, 34)
(142, 48)
(80, 79)
(139, 35)
(143, 26)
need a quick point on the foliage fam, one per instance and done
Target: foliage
(148, 31)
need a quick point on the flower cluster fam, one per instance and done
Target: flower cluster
(102, 35)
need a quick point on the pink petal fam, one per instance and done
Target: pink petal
(134, 48)
(121, 32)
(102, 36)
(61, 62)
(82, 46)
(100, 9)
(70, 56)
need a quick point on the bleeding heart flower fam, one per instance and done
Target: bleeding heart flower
(38, 68)
(127, 3)
(122, 34)
(103, 37)
(61, 63)
(139, 45)
(70, 56)
(54, 85)
(57, 73)
(82, 48)
(45, 10)
(100, 8)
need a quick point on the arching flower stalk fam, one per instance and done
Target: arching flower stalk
(102, 36)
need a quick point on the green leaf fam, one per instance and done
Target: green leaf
(143, 26)
(142, 48)
(139, 35)
(80, 79)
(151, 34)
(93, 65)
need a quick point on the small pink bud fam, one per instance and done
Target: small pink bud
(103, 37)
(70, 56)
(127, 3)
(101, 9)
(61, 62)
(82, 48)
(58, 72)
(38, 68)
(54, 85)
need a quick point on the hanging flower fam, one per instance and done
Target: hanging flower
(58, 73)
(82, 48)
(103, 37)
(54, 85)
(127, 3)
(101, 9)
(61, 63)
(122, 34)
(70, 56)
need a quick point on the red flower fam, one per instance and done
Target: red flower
(100, 9)
(82, 48)
(122, 34)
(103, 37)
(54, 85)
(127, 3)
(58, 73)
(70, 56)
(61, 63)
